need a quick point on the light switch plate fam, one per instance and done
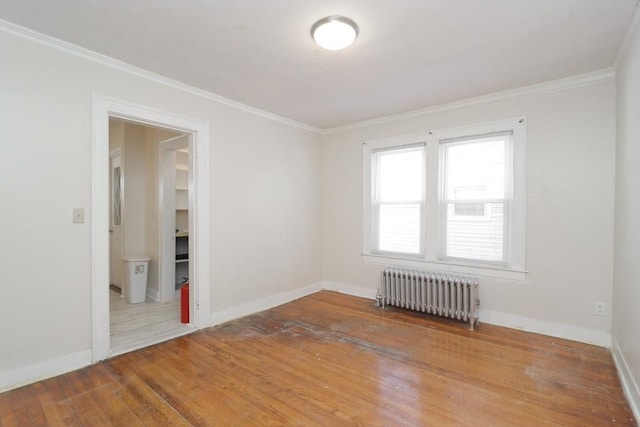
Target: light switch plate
(78, 215)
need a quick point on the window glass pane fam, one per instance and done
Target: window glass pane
(117, 197)
(475, 170)
(400, 175)
(399, 228)
(472, 239)
(468, 209)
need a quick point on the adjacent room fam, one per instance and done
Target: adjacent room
(320, 212)
(154, 164)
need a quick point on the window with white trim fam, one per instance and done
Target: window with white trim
(398, 199)
(452, 197)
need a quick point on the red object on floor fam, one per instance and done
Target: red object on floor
(184, 303)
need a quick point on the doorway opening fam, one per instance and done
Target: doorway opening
(149, 229)
(144, 234)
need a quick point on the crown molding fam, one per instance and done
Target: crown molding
(627, 37)
(579, 80)
(72, 49)
(552, 86)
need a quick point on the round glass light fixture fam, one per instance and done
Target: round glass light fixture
(334, 32)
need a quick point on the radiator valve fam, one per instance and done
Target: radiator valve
(378, 299)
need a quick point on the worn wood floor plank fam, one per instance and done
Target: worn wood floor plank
(510, 380)
(334, 360)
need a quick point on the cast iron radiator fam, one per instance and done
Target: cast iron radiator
(440, 294)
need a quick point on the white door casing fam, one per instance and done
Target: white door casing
(198, 132)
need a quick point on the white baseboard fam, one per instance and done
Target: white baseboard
(559, 330)
(345, 288)
(30, 374)
(153, 294)
(553, 329)
(34, 373)
(256, 306)
(629, 383)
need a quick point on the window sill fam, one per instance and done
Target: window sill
(449, 267)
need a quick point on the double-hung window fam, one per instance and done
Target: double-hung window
(450, 199)
(474, 199)
(398, 200)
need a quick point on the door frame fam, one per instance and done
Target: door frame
(104, 108)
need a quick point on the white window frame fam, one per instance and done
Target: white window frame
(375, 203)
(505, 201)
(431, 238)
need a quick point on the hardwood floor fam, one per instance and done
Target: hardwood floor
(330, 360)
(134, 326)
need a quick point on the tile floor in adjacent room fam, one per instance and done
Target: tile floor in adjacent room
(135, 326)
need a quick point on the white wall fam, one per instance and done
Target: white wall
(570, 180)
(266, 206)
(134, 190)
(265, 214)
(626, 288)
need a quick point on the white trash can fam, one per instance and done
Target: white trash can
(136, 269)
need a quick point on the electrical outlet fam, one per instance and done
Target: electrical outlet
(600, 309)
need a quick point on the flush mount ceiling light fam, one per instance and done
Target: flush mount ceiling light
(334, 32)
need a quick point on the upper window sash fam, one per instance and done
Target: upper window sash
(376, 172)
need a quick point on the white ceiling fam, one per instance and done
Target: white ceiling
(410, 54)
